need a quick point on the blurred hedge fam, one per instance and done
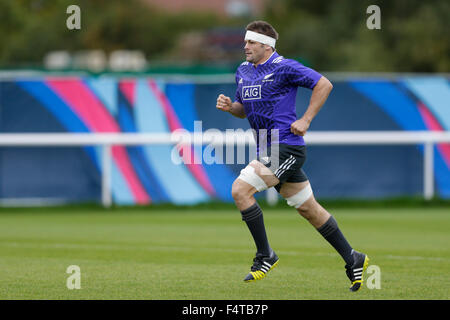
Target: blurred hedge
(31, 28)
(330, 35)
(333, 34)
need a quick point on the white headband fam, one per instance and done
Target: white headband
(250, 35)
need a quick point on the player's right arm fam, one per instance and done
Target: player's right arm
(224, 103)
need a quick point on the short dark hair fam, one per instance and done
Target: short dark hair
(262, 27)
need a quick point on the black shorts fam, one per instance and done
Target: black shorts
(286, 163)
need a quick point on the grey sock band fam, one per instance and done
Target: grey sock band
(251, 213)
(328, 227)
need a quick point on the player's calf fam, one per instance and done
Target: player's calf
(327, 226)
(244, 187)
(312, 211)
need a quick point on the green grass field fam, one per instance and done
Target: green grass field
(131, 253)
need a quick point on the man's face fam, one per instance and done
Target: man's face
(254, 51)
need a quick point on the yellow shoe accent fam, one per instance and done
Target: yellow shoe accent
(365, 265)
(274, 265)
(259, 275)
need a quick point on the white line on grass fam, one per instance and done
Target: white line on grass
(176, 248)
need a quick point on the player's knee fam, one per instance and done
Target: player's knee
(304, 202)
(251, 179)
(235, 190)
(240, 190)
(308, 209)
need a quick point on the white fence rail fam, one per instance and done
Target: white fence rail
(426, 138)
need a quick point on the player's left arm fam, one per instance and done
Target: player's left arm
(319, 95)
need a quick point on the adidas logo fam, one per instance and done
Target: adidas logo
(278, 59)
(240, 81)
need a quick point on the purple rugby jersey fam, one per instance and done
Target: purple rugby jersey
(268, 93)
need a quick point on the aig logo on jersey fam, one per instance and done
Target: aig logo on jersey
(251, 92)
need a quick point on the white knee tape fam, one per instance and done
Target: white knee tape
(248, 175)
(299, 198)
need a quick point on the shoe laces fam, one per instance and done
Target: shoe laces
(257, 263)
(349, 272)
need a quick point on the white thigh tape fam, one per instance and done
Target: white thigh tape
(248, 175)
(299, 198)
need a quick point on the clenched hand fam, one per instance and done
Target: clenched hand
(300, 126)
(223, 103)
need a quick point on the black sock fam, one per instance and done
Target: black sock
(253, 217)
(330, 231)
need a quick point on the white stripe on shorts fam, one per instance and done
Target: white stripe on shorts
(285, 166)
(285, 163)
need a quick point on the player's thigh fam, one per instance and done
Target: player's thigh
(288, 189)
(300, 196)
(264, 173)
(254, 177)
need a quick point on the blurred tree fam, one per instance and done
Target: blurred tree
(332, 35)
(31, 28)
(329, 35)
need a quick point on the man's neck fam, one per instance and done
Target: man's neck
(264, 59)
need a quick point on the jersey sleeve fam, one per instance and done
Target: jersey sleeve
(238, 92)
(299, 75)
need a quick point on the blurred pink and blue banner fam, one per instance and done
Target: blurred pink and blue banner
(146, 174)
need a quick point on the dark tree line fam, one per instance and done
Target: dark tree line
(331, 35)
